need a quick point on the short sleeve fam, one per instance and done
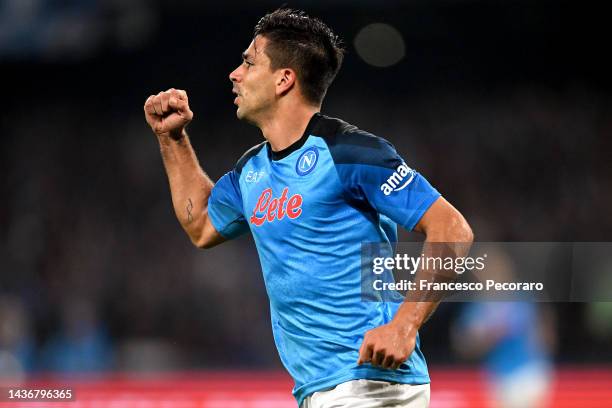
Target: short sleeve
(373, 173)
(225, 207)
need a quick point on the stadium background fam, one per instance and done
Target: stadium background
(504, 105)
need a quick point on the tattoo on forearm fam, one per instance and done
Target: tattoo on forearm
(189, 208)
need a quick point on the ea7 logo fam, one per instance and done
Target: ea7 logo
(396, 182)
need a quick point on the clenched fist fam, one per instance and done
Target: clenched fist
(168, 112)
(387, 346)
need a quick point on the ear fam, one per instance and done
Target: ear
(285, 80)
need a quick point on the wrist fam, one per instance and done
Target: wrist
(409, 317)
(177, 134)
(405, 327)
(167, 138)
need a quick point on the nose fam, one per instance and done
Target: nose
(234, 75)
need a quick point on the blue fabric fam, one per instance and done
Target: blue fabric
(226, 212)
(309, 212)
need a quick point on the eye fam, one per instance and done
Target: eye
(248, 64)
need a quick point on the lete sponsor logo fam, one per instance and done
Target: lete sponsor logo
(396, 182)
(269, 208)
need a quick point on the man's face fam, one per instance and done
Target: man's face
(253, 82)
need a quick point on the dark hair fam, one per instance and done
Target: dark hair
(305, 44)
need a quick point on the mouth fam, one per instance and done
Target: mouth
(235, 92)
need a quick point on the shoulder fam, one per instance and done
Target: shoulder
(252, 152)
(350, 145)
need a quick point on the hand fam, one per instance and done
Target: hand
(387, 346)
(168, 112)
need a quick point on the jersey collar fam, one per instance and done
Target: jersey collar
(281, 154)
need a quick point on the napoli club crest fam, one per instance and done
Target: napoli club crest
(307, 161)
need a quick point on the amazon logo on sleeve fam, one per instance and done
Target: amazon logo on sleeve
(399, 180)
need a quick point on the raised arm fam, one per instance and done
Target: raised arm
(168, 114)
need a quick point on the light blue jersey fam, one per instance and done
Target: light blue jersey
(309, 208)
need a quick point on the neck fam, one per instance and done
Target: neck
(286, 125)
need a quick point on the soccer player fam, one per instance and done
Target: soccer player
(310, 194)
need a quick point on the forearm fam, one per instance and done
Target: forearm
(450, 239)
(189, 185)
(391, 344)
